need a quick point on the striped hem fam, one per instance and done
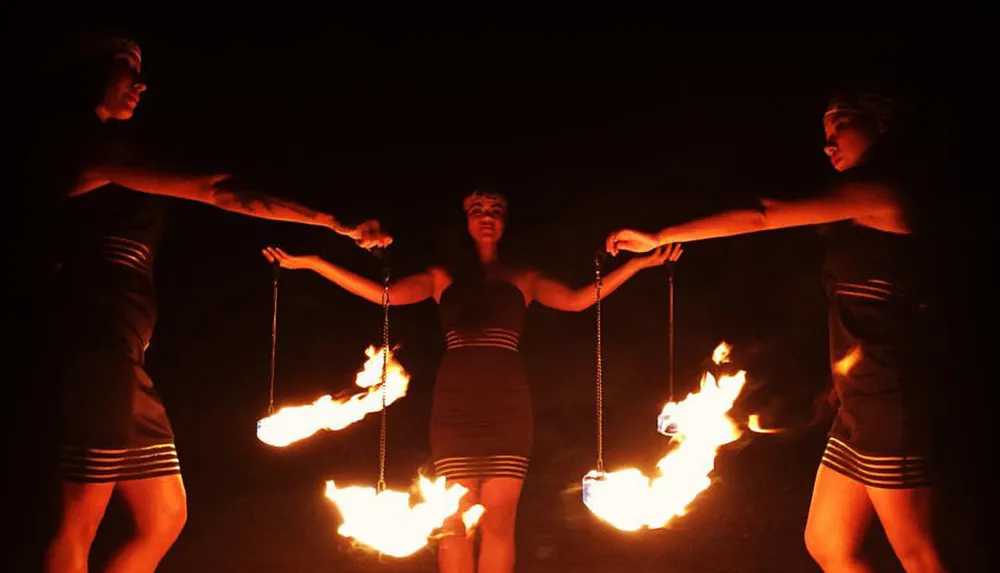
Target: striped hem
(482, 467)
(871, 289)
(132, 254)
(102, 465)
(890, 472)
(487, 337)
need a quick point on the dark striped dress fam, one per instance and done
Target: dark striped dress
(481, 421)
(110, 422)
(881, 435)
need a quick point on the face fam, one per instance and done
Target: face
(849, 136)
(486, 217)
(124, 88)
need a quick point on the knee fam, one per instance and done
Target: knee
(167, 521)
(827, 549)
(919, 555)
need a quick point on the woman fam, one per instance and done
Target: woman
(481, 422)
(114, 434)
(877, 460)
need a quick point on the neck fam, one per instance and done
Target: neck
(487, 253)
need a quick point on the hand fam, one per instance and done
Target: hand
(668, 253)
(629, 240)
(369, 235)
(276, 255)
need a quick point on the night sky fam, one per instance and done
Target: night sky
(587, 121)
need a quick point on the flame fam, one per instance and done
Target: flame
(628, 500)
(386, 522)
(845, 364)
(721, 353)
(293, 423)
(754, 425)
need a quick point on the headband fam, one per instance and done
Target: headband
(478, 195)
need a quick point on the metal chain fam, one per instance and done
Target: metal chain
(385, 366)
(670, 333)
(274, 338)
(600, 369)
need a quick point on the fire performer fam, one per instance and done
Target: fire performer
(481, 422)
(114, 433)
(877, 459)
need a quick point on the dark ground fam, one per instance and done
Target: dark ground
(584, 139)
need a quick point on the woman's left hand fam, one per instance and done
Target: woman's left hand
(667, 253)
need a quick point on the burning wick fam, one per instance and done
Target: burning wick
(293, 423)
(630, 501)
(386, 522)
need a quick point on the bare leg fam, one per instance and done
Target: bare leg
(499, 497)
(159, 508)
(906, 517)
(456, 551)
(839, 516)
(82, 509)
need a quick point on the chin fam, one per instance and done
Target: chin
(844, 164)
(124, 113)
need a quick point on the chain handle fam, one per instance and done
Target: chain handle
(385, 366)
(598, 283)
(274, 338)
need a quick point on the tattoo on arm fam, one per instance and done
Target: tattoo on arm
(268, 207)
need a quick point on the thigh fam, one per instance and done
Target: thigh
(840, 511)
(500, 495)
(84, 502)
(454, 524)
(905, 514)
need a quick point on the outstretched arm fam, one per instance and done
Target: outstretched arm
(557, 295)
(407, 290)
(850, 201)
(217, 191)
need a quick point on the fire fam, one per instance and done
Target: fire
(386, 522)
(754, 425)
(293, 423)
(845, 364)
(629, 500)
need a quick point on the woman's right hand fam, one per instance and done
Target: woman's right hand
(276, 255)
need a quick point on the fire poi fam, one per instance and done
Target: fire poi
(387, 522)
(377, 517)
(629, 500)
(293, 423)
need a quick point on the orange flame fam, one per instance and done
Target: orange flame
(386, 522)
(754, 426)
(629, 501)
(293, 423)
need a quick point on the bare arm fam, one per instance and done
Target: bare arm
(557, 295)
(407, 290)
(853, 201)
(211, 190)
